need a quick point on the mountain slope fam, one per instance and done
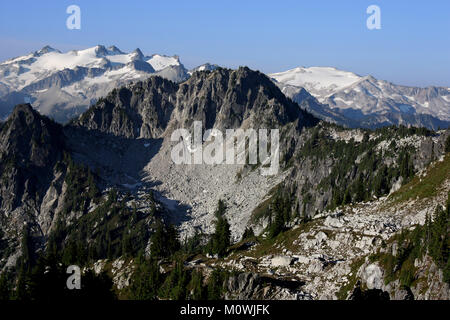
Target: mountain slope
(376, 248)
(222, 99)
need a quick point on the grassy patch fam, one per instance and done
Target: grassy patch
(344, 291)
(427, 186)
(285, 240)
(263, 209)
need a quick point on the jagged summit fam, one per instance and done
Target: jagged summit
(223, 98)
(30, 146)
(47, 49)
(138, 53)
(114, 49)
(24, 107)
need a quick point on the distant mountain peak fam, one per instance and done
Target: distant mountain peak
(115, 50)
(204, 67)
(47, 49)
(101, 51)
(138, 53)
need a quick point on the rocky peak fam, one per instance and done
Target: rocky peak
(115, 50)
(138, 54)
(221, 99)
(227, 98)
(101, 51)
(137, 110)
(30, 138)
(30, 147)
(45, 50)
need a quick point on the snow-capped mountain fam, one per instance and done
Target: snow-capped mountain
(62, 85)
(204, 67)
(366, 101)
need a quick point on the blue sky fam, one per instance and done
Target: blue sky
(412, 48)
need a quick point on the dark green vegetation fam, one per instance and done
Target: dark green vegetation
(43, 277)
(113, 230)
(179, 282)
(176, 283)
(81, 187)
(280, 211)
(110, 231)
(431, 239)
(423, 188)
(220, 240)
(360, 171)
(355, 172)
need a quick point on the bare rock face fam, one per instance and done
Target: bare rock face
(372, 276)
(221, 99)
(431, 286)
(137, 111)
(30, 147)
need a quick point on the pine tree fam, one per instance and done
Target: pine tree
(164, 241)
(278, 224)
(198, 292)
(248, 233)
(215, 285)
(146, 280)
(347, 197)
(157, 244)
(5, 290)
(221, 239)
(176, 283)
(171, 242)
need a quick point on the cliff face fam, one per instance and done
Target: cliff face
(137, 111)
(30, 146)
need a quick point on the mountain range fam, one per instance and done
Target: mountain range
(350, 213)
(356, 101)
(63, 85)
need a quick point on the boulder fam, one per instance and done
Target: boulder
(281, 261)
